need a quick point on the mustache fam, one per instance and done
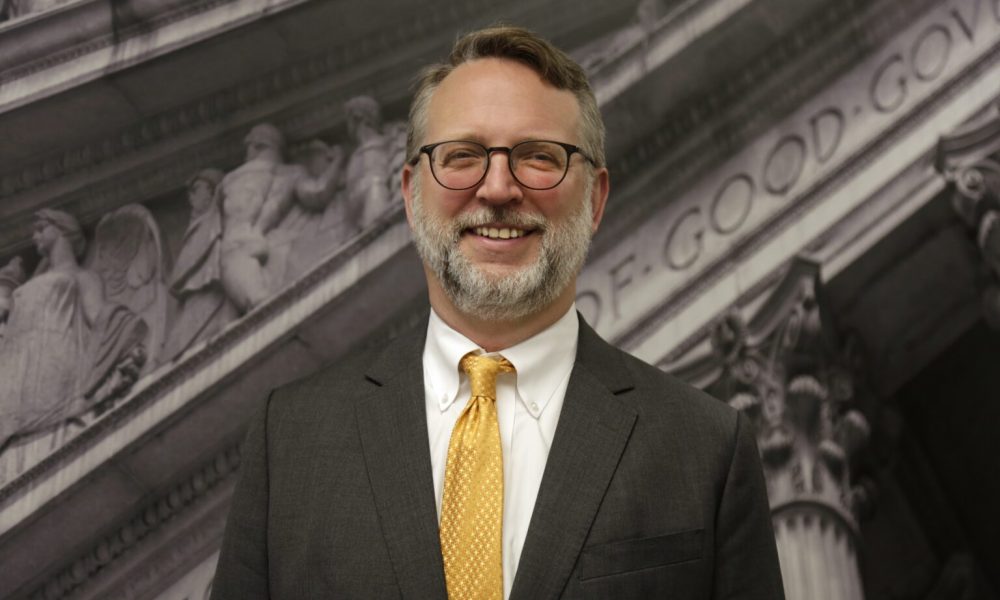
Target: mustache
(486, 215)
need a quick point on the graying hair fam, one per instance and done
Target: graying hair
(524, 46)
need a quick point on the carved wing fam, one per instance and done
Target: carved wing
(128, 255)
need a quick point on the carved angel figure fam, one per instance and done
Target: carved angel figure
(72, 343)
(321, 220)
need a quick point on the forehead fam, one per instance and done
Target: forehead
(501, 102)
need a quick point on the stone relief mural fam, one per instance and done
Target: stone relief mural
(94, 317)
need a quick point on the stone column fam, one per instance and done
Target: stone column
(785, 369)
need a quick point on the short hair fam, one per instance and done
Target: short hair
(524, 46)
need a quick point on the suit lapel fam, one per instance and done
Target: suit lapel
(593, 429)
(393, 427)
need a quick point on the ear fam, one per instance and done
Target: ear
(599, 196)
(407, 181)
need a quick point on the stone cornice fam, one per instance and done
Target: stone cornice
(699, 133)
(50, 39)
(642, 328)
(155, 524)
(834, 175)
(662, 41)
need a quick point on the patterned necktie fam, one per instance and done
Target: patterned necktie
(472, 507)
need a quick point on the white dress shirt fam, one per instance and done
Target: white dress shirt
(528, 407)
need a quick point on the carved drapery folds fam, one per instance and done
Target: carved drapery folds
(97, 314)
(77, 332)
(784, 369)
(969, 160)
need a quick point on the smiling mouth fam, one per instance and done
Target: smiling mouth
(500, 233)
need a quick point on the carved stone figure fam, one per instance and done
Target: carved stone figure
(395, 134)
(368, 170)
(256, 198)
(67, 348)
(319, 220)
(196, 281)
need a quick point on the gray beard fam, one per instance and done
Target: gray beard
(511, 296)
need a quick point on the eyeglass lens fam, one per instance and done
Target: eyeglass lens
(536, 165)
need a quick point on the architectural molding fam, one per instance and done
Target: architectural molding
(111, 564)
(49, 39)
(705, 130)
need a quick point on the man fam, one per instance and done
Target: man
(558, 466)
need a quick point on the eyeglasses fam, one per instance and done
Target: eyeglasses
(535, 164)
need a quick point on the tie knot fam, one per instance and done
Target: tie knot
(483, 371)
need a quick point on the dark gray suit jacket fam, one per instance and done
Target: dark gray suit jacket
(652, 489)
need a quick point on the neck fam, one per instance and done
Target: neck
(61, 256)
(495, 336)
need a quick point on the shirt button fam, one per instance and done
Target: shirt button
(534, 407)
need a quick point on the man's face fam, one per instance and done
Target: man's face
(500, 103)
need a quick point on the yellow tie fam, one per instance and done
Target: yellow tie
(472, 507)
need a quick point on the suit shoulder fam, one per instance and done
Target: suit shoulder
(332, 383)
(659, 392)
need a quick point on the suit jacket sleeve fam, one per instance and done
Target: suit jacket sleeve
(746, 558)
(242, 572)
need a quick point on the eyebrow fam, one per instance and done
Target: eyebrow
(478, 138)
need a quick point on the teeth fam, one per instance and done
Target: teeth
(494, 233)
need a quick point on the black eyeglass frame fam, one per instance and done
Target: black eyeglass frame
(569, 148)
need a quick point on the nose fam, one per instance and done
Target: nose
(499, 185)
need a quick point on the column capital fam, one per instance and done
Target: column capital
(969, 161)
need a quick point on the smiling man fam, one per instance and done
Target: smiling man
(502, 449)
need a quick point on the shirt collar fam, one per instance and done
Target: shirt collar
(542, 361)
